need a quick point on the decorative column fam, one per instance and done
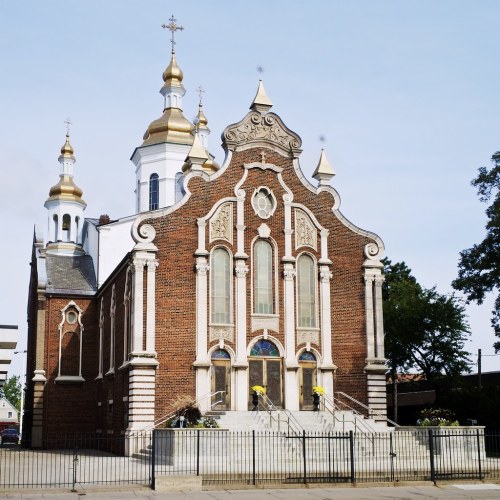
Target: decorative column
(202, 363)
(327, 367)
(291, 365)
(375, 361)
(39, 378)
(241, 364)
(143, 362)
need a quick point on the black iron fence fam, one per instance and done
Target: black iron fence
(252, 457)
(77, 459)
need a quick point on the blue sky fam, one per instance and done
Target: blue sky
(405, 92)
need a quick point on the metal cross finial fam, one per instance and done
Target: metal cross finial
(172, 27)
(68, 123)
(200, 93)
(322, 139)
(260, 69)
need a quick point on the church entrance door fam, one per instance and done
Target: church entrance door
(265, 369)
(221, 380)
(307, 380)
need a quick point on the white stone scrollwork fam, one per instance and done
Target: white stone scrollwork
(241, 271)
(372, 251)
(308, 337)
(325, 276)
(221, 224)
(146, 233)
(152, 265)
(138, 265)
(257, 128)
(289, 274)
(305, 232)
(202, 269)
(221, 333)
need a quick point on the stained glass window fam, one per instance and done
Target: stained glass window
(220, 354)
(307, 356)
(264, 348)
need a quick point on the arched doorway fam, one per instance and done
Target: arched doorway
(221, 379)
(265, 370)
(307, 379)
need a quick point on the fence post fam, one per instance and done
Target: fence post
(153, 458)
(253, 457)
(351, 451)
(304, 454)
(431, 454)
(75, 463)
(479, 454)
(198, 452)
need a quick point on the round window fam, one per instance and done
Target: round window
(263, 203)
(71, 317)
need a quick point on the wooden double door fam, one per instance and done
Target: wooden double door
(268, 373)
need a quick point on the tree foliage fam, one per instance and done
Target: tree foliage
(424, 330)
(11, 390)
(479, 266)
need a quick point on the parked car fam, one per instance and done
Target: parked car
(9, 436)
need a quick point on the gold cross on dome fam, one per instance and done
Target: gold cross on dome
(68, 123)
(172, 27)
(200, 92)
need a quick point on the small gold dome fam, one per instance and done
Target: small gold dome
(173, 74)
(172, 126)
(67, 150)
(202, 121)
(66, 189)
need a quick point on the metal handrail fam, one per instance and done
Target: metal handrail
(369, 410)
(270, 407)
(356, 421)
(195, 402)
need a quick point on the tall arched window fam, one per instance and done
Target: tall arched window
(153, 192)
(220, 289)
(56, 228)
(306, 292)
(263, 278)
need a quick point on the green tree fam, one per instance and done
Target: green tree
(11, 390)
(479, 266)
(424, 330)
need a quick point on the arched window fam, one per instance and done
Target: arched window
(77, 226)
(264, 348)
(153, 192)
(221, 354)
(306, 292)
(263, 278)
(220, 289)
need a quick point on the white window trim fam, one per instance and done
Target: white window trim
(316, 295)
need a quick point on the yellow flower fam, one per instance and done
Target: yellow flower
(259, 389)
(319, 390)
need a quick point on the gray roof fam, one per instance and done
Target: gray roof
(72, 273)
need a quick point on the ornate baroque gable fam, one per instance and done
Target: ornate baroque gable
(261, 130)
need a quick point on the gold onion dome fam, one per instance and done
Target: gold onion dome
(66, 189)
(172, 126)
(173, 74)
(202, 121)
(67, 150)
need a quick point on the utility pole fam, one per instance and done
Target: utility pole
(479, 368)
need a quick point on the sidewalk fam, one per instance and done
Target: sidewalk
(466, 491)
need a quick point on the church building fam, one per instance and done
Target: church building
(226, 277)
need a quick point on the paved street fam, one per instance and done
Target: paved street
(468, 491)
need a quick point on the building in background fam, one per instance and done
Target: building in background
(227, 277)
(8, 342)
